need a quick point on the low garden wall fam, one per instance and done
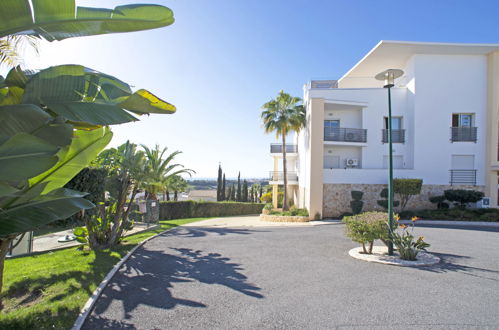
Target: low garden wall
(283, 218)
(193, 209)
(337, 197)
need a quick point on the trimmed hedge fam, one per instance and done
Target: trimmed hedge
(192, 209)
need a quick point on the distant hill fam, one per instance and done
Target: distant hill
(211, 184)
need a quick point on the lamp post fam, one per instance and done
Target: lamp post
(389, 76)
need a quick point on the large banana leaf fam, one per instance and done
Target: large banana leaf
(85, 146)
(87, 97)
(59, 204)
(61, 19)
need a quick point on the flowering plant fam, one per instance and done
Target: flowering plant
(407, 245)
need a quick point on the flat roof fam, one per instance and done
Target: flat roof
(390, 54)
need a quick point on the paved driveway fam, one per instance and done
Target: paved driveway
(299, 277)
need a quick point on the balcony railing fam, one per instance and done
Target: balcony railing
(279, 176)
(276, 148)
(463, 177)
(463, 134)
(345, 134)
(398, 136)
(323, 84)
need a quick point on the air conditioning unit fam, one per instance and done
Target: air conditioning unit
(483, 203)
(352, 162)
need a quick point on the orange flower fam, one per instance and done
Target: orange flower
(403, 226)
(396, 217)
(414, 219)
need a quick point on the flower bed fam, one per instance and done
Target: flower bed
(284, 218)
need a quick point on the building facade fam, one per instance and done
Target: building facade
(445, 127)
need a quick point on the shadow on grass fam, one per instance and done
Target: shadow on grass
(148, 279)
(453, 263)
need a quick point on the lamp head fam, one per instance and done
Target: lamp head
(389, 76)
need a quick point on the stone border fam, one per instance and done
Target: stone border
(283, 218)
(455, 223)
(379, 256)
(85, 311)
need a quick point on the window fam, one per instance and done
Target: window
(331, 123)
(398, 134)
(331, 161)
(396, 123)
(463, 129)
(398, 161)
(462, 170)
(462, 120)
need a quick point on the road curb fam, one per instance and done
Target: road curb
(85, 311)
(455, 223)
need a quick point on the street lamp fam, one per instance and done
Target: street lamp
(389, 76)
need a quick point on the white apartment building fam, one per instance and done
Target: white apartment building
(445, 112)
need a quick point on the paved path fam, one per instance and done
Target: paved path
(50, 241)
(299, 277)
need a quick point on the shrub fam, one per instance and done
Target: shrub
(461, 197)
(407, 246)
(267, 198)
(406, 188)
(293, 212)
(384, 202)
(192, 209)
(366, 227)
(357, 203)
(356, 195)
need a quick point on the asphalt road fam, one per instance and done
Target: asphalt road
(300, 278)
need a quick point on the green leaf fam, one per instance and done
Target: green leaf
(85, 146)
(59, 204)
(28, 118)
(24, 156)
(7, 190)
(144, 102)
(92, 113)
(61, 19)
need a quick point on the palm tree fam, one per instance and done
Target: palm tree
(11, 48)
(160, 170)
(283, 115)
(177, 184)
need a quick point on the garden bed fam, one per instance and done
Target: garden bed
(283, 218)
(380, 255)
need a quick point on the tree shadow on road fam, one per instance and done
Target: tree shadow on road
(453, 263)
(193, 232)
(147, 279)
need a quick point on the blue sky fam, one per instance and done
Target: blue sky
(222, 59)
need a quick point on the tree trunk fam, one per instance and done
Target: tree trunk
(4, 248)
(167, 195)
(175, 195)
(284, 172)
(371, 247)
(364, 248)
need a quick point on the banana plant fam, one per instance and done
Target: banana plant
(61, 19)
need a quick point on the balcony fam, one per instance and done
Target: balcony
(279, 176)
(463, 134)
(398, 136)
(463, 177)
(276, 148)
(338, 134)
(323, 84)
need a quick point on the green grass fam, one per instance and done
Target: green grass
(47, 291)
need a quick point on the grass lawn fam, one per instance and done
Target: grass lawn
(47, 291)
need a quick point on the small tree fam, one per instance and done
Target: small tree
(406, 188)
(461, 197)
(224, 193)
(233, 193)
(219, 184)
(365, 228)
(239, 196)
(244, 197)
(356, 204)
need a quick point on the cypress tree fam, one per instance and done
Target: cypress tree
(233, 193)
(224, 194)
(239, 197)
(219, 183)
(252, 196)
(244, 196)
(260, 195)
